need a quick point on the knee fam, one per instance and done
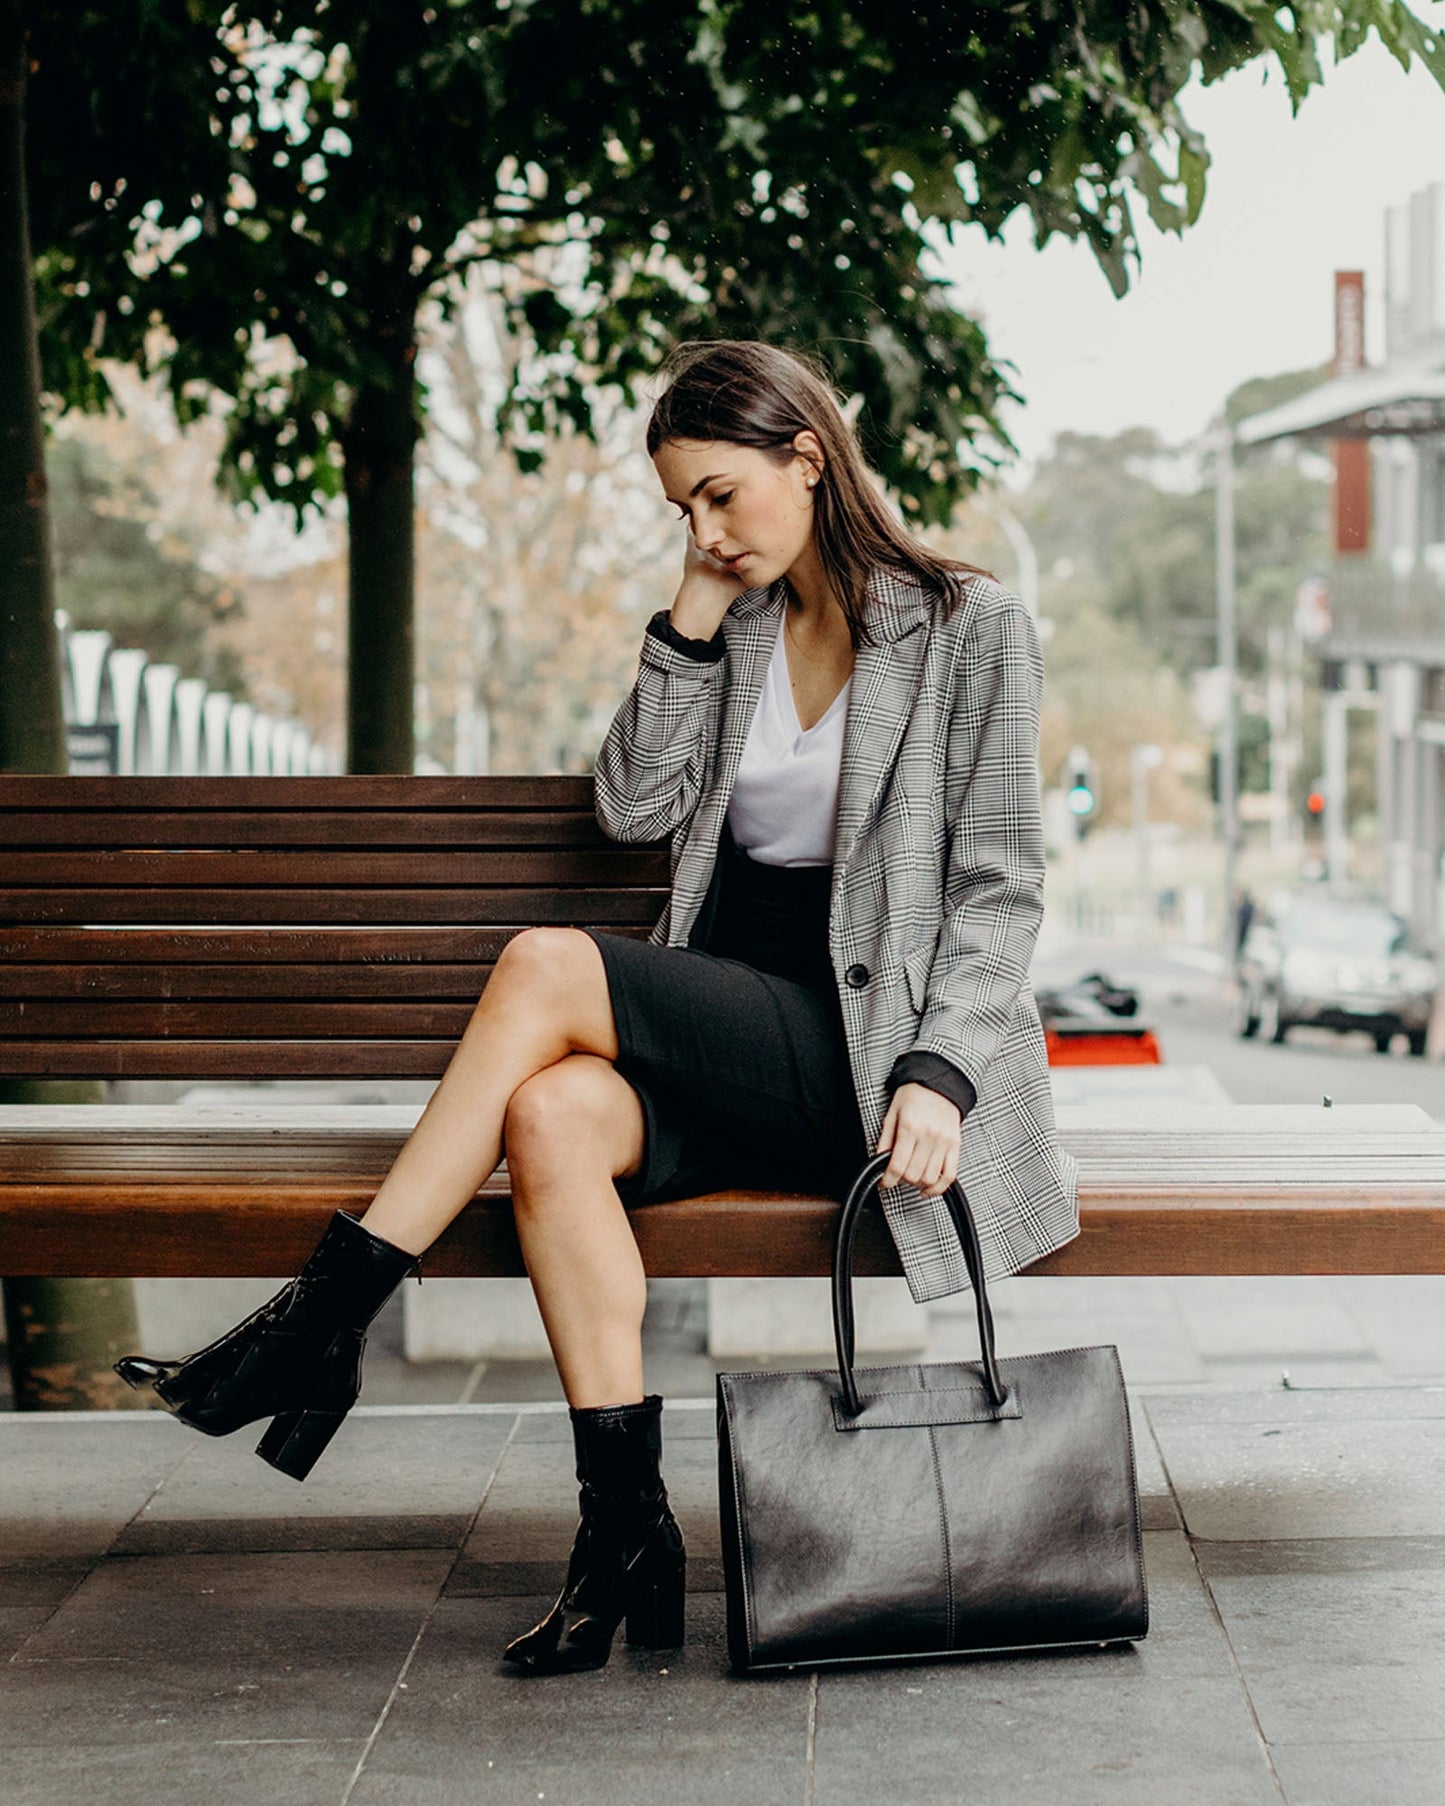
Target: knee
(543, 959)
(550, 1117)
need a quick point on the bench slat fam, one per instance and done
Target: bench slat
(328, 793)
(227, 1059)
(378, 979)
(362, 907)
(281, 1020)
(359, 828)
(104, 873)
(397, 946)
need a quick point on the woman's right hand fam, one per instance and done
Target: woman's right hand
(706, 590)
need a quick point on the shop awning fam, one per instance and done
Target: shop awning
(1366, 404)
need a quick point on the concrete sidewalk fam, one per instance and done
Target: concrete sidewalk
(179, 1623)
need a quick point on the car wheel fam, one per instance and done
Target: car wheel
(1274, 1025)
(1417, 1042)
(1246, 1014)
(1383, 1040)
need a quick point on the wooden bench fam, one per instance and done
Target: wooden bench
(342, 928)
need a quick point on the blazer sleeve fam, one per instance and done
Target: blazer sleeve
(653, 763)
(994, 875)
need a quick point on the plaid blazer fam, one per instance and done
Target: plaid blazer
(938, 876)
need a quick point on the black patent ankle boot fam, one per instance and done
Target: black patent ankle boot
(628, 1560)
(296, 1360)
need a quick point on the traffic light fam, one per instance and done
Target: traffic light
(1315, 801)
(1080, 792)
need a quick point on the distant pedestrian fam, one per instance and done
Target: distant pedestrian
(1244, 913)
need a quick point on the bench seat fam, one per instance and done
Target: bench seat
(240, 1190)
(297, 929)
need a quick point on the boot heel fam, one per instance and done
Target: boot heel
(296, 1440)
(655, 1610)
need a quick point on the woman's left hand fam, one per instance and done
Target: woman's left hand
(921, 1130)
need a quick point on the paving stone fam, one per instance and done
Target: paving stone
(1403, 1317)
(1259, 1480)
(402, 1382)
(1321, 1555)
(1369, 1774)
(518, 1382)
(1157, 1509)
(1298, 1373)
(259, 1536)
(649, 1729)
(1098, 1728)
(41, 1583)
(195, 1649)
(1267, 1316)
(1343, 1657)
(18, 1623)
(235, 1773)
(66, 1489)
(1153, 1350)
(1184, 1634)
(1281, 1405)
(386, 1481)
(530, 1514)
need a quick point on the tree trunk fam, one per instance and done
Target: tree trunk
(63, 1333)
(379, 444)
(32, 728)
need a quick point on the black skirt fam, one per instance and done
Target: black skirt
(736, 1049)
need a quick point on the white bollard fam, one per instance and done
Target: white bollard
(190, 702)
(154, 755)
(215, 733)
(125, 665)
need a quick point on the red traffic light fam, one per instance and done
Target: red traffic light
(1315, 802)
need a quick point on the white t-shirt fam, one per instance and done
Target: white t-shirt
(784, 804)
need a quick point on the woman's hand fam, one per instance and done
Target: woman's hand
(706, 590)
(921, 1130)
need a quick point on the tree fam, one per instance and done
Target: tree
(62, 1335)
(1112, 535)
(119, 564)
(723, 169)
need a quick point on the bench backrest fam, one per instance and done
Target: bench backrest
(316, 927)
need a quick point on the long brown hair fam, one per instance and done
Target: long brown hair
(746, 392)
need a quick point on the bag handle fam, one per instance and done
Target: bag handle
(961, 1217)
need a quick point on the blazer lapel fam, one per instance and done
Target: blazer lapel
(886, 679)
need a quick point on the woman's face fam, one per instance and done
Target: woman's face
(749, 513)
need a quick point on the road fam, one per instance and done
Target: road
(1185, 997)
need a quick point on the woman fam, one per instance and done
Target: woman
(838, 730)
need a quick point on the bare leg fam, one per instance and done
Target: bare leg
(570, 1129)
(547, 998)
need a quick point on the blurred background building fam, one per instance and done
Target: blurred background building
(1377, 622)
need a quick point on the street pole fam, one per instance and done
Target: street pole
(1023, 550)
(1223, 444)
(1143, 758)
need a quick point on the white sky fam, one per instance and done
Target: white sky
(1248, 290)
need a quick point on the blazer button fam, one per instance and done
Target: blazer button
(857, 976)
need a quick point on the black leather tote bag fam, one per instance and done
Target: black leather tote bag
(927, 1510)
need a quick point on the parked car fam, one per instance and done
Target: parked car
(1333, 962)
